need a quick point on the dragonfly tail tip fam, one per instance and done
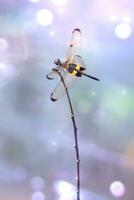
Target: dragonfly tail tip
(47, 76)
(77, 29)
(52, 99)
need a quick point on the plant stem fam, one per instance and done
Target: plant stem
(76, 146)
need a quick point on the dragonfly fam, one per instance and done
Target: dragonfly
(72, 69)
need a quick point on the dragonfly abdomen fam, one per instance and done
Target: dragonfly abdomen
(75, 69)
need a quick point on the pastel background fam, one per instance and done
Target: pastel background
(37, 158)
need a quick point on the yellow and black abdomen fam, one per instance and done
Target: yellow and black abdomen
(75, 69)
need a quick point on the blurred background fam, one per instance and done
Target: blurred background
(37, 158)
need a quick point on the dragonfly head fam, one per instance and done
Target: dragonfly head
(57, 62)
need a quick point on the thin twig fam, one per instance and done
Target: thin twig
(76, 146)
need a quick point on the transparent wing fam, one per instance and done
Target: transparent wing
(78, 60)
(52, 75)
(70, 80)
(59, 91)
(74, 44)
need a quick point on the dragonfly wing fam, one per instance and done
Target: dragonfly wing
(52, 75)
(70, 80)
(59, 91)
(78, 60)
(74, 43)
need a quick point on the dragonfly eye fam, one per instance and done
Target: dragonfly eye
(57, 62)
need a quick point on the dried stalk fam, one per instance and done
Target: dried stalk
(76, 146)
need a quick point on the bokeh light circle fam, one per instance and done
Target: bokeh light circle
(38, 196)
(123, 30)
(59, 2)
(7, 73)
(64, 189)
(124, 92)
(51, 33)
(44, 17)
(117, 189)
(52, 146)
